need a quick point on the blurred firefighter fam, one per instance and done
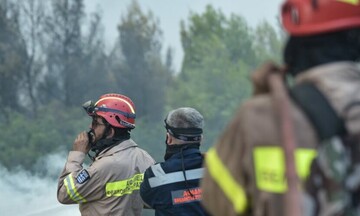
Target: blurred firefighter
(110, 185)
(172, 187)
(294, 150)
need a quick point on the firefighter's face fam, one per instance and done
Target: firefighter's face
(98, 127)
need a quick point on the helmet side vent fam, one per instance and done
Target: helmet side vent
(118, 119)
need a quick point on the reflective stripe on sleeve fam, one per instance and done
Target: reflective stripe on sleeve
(174, 177)
(269, 163)
(123, 187)
(157, 170)
(233, 191)
(71, 190)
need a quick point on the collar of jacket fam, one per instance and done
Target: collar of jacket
(185, 152)
(340, 70)
(129, 143)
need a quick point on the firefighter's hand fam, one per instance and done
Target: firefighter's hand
(259, 77)
(81, 143)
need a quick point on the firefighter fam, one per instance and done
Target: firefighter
(172, 187)
(291, 151)
(110, 185)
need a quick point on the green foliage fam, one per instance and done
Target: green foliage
(215, 90)
(219, 54)
(142, 75)
(25, 140)
(150, 136)
(213, 27)
(75, 58)
(268, 43)
(12, 59)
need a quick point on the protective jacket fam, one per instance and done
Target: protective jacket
(244, 172)
(110, 185)
(172, 187)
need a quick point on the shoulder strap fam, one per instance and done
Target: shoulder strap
(318, 110)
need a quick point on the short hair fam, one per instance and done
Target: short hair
(185, 117)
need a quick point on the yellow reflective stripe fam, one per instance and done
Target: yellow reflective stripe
(269, 165)
(116, 98)
(234, 192)
(303, 158)
(127, 186)
(353, 2)
(269, 169)
(71, 189)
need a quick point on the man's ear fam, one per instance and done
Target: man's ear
(110, 132)
(168, 138)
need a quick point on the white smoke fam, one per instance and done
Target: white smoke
(23, 193)
(27, 194)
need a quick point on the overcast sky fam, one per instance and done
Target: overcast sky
(171, 12)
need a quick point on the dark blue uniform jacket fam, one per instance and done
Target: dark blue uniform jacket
(165, 189)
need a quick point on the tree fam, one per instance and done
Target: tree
(268, 43)
(75, 57)
(141, 74)
(63, 50)
(32, 23)
(212, 25)
(49, 62)
(219, 54)
(13, 57)
(25, 140)
(95, 77)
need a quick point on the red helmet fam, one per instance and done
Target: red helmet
(118, 110)
(308, 17)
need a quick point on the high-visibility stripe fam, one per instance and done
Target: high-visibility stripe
(233, 191)
(353, 2)
(71, 190)
(174, 177)
(269, 163)
(157, 170)
(123, 187)
(303, 159)
(116, 98)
